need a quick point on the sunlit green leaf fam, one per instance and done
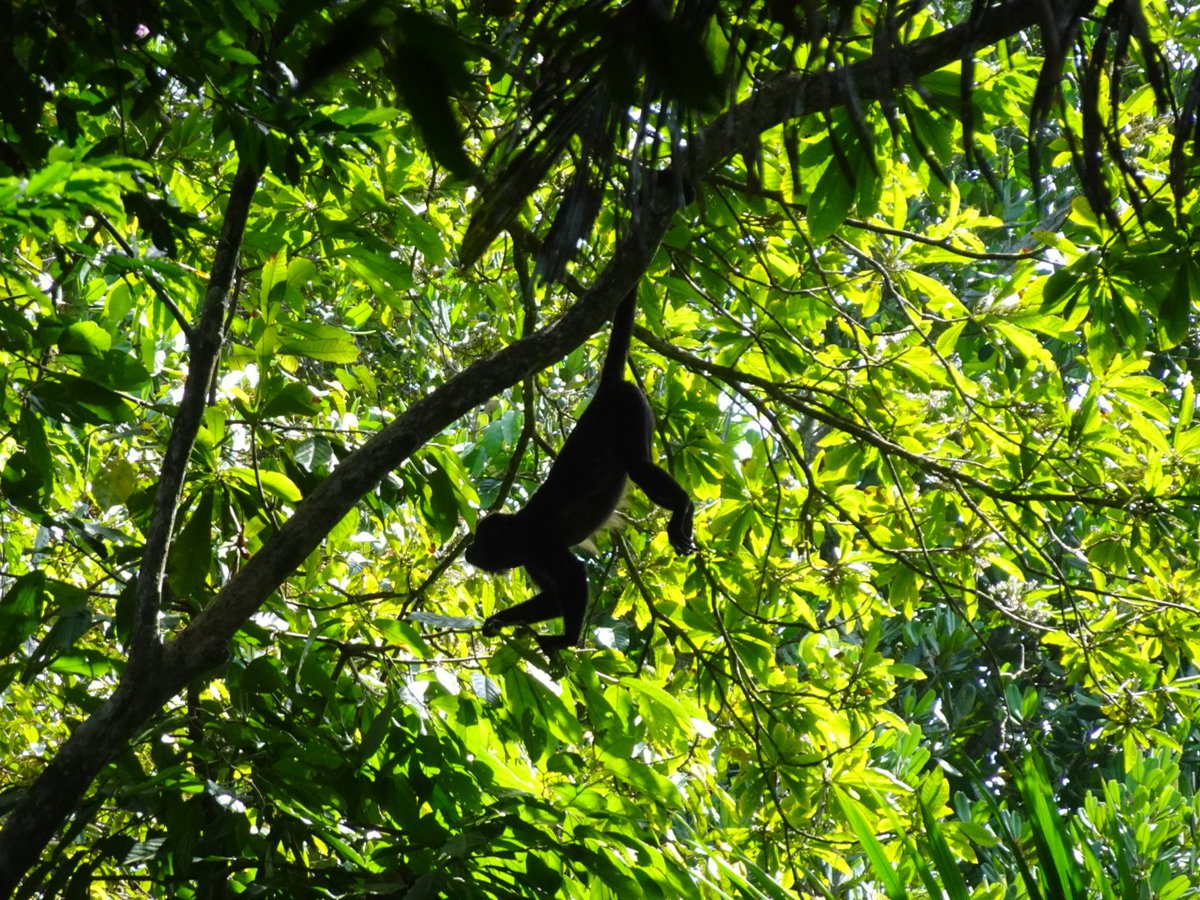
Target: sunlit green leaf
(830, 203)
(85, 338)
(320, 342)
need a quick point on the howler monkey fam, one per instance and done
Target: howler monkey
(585, 484)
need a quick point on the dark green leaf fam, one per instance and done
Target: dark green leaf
(262, 676)
(85, 338)
(426, 69)
(72, 623)
(191, 556)
(1174, 314)
(293, 399)
(79, 401)
(113, 369)
(20, 610)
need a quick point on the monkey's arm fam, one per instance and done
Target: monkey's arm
(664, 490)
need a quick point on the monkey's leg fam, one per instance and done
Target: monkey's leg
(571, 576)
(664, 490)
(563, 580)
(538, 608)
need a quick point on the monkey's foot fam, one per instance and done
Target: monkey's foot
(551, 643)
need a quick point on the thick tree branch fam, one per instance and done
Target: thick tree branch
(204, 643)
(800, 94)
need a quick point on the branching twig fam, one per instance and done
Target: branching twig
(207, 339)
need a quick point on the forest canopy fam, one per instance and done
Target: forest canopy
(292, 294)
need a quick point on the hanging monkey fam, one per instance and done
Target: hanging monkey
(610, 442)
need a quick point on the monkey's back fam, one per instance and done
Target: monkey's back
(587, 481)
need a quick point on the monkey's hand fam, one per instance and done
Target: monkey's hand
(679, 531)
(491, 627)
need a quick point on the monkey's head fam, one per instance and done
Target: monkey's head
(497, 545)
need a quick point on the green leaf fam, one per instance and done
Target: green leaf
(292, 399)
(425, 69)
(441, 494)
(643, 779)
(952, 881)
(1026, 344)
(382, 271)
(486, 689)
(51, 177)
(313, 454)
(1174, 313)
(546, 881)
(421, 233)
(274, 273)
(85, 338)
(116, 370)
(674, 707)
(85, 664)
(830, 203)
(312, 340)
(1050, 836)
(15, 329)
(262, 675)
(38, 460)
(73, 622)
(276, 484)
(300, 271)
(222, 45)
(114, 483)
(869, 186)
(947, 341)
(20, 610)
(79, 401)
(191, 557)
(884, 870)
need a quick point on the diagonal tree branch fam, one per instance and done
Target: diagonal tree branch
(798, 94)
(1089, 495)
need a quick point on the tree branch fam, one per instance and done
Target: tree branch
(869, 436)
(800, 94)
(206, 340)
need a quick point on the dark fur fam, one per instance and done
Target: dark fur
(611, 441)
